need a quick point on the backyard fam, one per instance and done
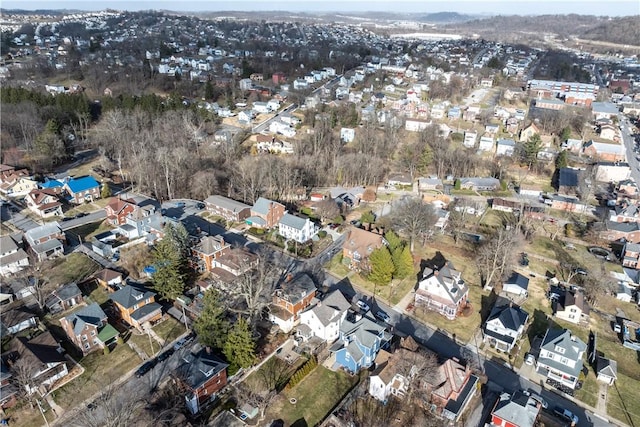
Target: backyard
(314, 397)
(73, 268)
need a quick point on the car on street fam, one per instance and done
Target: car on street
(363, 306)
(179, 344)
(81, 214)
(383, 316)
(537, 398)
(180, 205)
(200, 205)
(566, 415)
(146, 367)
(165, 355)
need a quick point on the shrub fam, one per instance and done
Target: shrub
(106, 350)
(302, 372)
(322, 234)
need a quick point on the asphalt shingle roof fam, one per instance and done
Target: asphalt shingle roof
(91, 314)
(131, 295)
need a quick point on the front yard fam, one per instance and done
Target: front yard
(169, 329)
(622, 400)
(315, 397)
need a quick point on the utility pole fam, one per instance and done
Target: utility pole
(42, 412)
(184, 317)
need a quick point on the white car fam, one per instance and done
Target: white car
(529, 359)
(362, 305)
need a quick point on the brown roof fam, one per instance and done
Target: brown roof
(116, 204)
(106, 274)
(448, 378)
(362, 241)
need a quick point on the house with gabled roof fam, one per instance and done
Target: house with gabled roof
(44, 203)
(17, 183)
(505, 147)
(450, 389)
(88, 329)
(52, 185)
(442, 289)
(516, 284)
(45, 241)
(606, 370)
(296, 228)
(82, 189)
(207, 250)
(358, 246)
(323, 320)
(529, 132)
(560, 357)
(117, 210)
(388, 379)
(12, 257)
(361, 337)
(265, 213)
(505, 325)
(291, 297)
(605, 151)
(629, 231)
(480, 184)
(228, 209)
(109, 279)
(571, 306)
(200, 377)
(17, 319)
(136, 305)
(516, 410)
(63, 298)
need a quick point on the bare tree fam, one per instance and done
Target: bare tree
(327, 209)
(414, 219)
(255, 287)
(495, 257)
(111, 408)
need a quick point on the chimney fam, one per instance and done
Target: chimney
(208, 350)
(289, 277)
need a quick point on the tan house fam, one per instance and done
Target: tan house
(358, 246)
(528, 132)
(16, 182)
(450, 389)
(572, 307)
(228, 209)
(44, 203)
(136, 305)
(109, 279)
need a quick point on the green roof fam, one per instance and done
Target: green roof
(107, 333)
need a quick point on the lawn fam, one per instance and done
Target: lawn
(75, 267)
(25, 416)
(149, 346)
(623, 402)
(315, 397)
(589, 391)
(99, 368)
(87, 231)
(336, 266)
(169, 329)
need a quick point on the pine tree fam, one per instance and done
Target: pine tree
(381, 266)
(239, 348)
(211, 326)
(105, 193)
(393, 240)
(168, 279)
(403, 262)
(178, 236)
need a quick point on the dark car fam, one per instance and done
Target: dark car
(200, 205)
(81, 214)
(146, 367)
(165, 355)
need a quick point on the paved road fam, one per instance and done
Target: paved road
(87, 219)
(265, 125)
(629, 144)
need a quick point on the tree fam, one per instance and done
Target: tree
(382, 267)
(414, 219)
(566, 134)
(495, 257)
(239, 348)
(110, 409)
(530, 150)
(403, 262)
(255, 287)
(49, 147)
(368, 217)
(327, 209)
(168, 279)
(561, 160)
(211, 326)
(105, 193)
(393, 240)
(178, 236)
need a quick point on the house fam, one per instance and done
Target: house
(228, 209)
(606, 370)
(568, 180)
(442, 289)
(265, 213)
(470, 138)
(12, 257)
(430, 184)
(505, 325)
(416, 125)
(144, 220)
(136, 305)
(8, 389)
(486, 143)
(604, 110)
(17, 319)
(505, 147)
(625, 211)
(604, 151)
(207, 250)
(517, 284)
(324, 319)
(624, 292)
(117, 210)
(293, 227)
(571, 306)
(45, 241)
(44, 203)
(350, 197)
(566, 203)
(450, 389)
(612, 171)
(629, 231)
(358, 246)
(109, 279)
(479, 184)
(83, 189)
(609, 132)
(517, 410)
(627, 187)
(232, 263)
(360, 340)
(40, 360)
(528, 132)
(505, 205)
(88, 329)
(400, 179)
(290, 298)
(347, 135)
(631, 255)
(560, 357)
(52, 185)
(17, 183)
(388, 378)
(64, 298)
(572, 145)
(200, 377)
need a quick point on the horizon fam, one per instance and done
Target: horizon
(471, 7)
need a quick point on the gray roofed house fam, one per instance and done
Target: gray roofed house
(505, 147)
(268, 211)
(91, 314)
(505, 325)
(607, 370)
(572, 306)
(324, 318)
(517, 410)
(229, 209)
(12, 257)
(64, 298)
(88, 329)
(443, 290)
(560, 357)
(43, 233)
(480, 184)
(296, 228)
(516, 284)
(136, 304)
(425, 184)
(17, 319)
(568, 180)
(203, 375)
(291, 297)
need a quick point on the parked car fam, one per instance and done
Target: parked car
(180, 205)
(529, 359)
(165, 355)
(146, 367)
(383, 316)
(81, 214)
(363, 305)
(179, 344)
(537, 398)
(200, 205)
(566, 414)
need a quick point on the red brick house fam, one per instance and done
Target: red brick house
(88, 329)
(450, 389)
(200, 378)
(228, 209)
(278, 78)
(207, 250)
(518, 410)
(630, 231)
(266, 213)
(117, 211)
(290, 298)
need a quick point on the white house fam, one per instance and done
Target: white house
(12, 257)
(607, 370)
(504, 326)
(486, 143)
(560, 357)
(416, 125)
(261, 107)
(442, 289)
(516, 284)
(505, 147)
(296, 228)
(325, 317)
(387, 380)
(470, 139)
(347, 134)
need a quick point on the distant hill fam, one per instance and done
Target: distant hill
(622, 30)
(50, 12)
(445, 18)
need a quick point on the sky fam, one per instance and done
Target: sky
(493, 7)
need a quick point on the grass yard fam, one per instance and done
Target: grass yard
(623, 402)
(150, 347)
(25, 416)
(87, 231)
(99, 368)
(75, 267)
(169, 329)
(589, 391)
(336, 266)
(316, 396)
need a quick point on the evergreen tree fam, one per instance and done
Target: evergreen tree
(382, 267)
(179, 237)
(403, 262)
(105, 193)
(561, 160)
(211, 326)
(168, 279)
(393, 240)
(368, 217)
(239, 348)
(209, 93)
(530, 150)
(566, 134)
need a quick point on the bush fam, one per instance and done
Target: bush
(322, 234)
(106, 350)
(302, 372)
